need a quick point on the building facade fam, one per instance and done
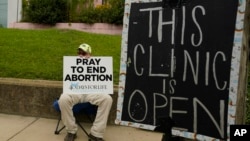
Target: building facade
(10, 11)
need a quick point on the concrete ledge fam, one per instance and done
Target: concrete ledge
(35, 98)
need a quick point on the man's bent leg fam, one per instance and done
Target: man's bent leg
(104, 103)
(66, 103)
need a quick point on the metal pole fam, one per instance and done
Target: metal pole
(17, 10)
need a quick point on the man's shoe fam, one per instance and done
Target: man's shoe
(93, 138)
(70, 137)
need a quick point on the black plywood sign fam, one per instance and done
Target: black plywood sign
(178, 65)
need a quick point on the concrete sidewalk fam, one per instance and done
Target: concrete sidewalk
(22, 128)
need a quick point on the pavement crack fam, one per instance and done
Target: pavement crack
(23, 129)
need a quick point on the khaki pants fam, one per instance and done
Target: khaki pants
(104, 103)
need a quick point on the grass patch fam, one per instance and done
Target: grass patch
(38, 54)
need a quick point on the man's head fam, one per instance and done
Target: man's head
(84, 50)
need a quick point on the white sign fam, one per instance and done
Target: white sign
(92, 75)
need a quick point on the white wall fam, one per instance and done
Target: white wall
(14, 11)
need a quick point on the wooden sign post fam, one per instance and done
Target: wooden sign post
(183, 60)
